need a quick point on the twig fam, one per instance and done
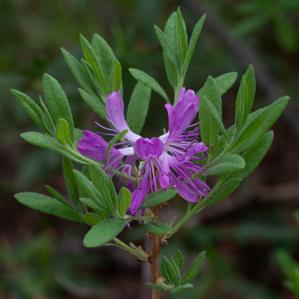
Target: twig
(154, 259)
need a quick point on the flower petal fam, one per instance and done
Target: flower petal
(116, 115)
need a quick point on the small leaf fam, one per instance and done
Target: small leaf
(170, 271)
(195, 268)
(116, 76)
(158, 228)
(114, 140)
(63, 131)
(78, 71)
(157, 198)
(91, 218)
(226, 81)
(103, 232)
(96, 104)
(31, 108)
(181, 35)
(57, 195)
(70, 180)
(226, 164)
(47, 205)
(223, 189)
(255, 154)
(193, 41)
(48, 142)
(138, 107)
(181, 288)
(258, 123)
(125, 199)
(208, 128)
(179, 259)
(57, 102)
(209, 108)
(93, 60)
(245, 97)
(149, 81)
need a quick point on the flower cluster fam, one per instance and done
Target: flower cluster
(168, 161)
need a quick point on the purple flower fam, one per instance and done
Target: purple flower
(168, 161)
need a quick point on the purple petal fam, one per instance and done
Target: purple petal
(116, 115)
(163, 176)
(181, 116)
(92, 145)
(115, 111)
(146, 148)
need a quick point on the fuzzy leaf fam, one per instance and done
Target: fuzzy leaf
(138, 107)
(125, 199)
(226, 81)
(47, 205)
(195, 268)
(226, 164)
(245, 97)
(57, 102)
(149, 81)
(157, 198)
(103, 232)
(31, 108)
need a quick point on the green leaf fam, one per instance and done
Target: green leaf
(90, 203)
(46, 141)
(31, 108)
(226, 81)
(63, 131)
(170, 271)
(78, 71)
(104, 184)
(208, 128)
(70, 180)
(179, 259)
(57, 102)
(95, 103)
(47, 205)
(158, 228)
(93, 60)
(91, 218)
(125, 199)
(193, 41)
(157, 198)
(226, 164)
(149, 81)
(103, 232)
(255, 154)
(57, 195)
(181, 288)
(138, 107)
(166, 44)
(223, 189)
(170, 47)
(194, 269)
(181, 35)
(88, 190)
(258, 123)
(114, 140)
(245, 97)
(105, 55)
(116, 76)
(210, 109)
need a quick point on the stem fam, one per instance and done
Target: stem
(154, 259)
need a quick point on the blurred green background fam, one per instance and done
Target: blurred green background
(246, 236)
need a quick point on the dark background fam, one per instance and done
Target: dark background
(43, 257)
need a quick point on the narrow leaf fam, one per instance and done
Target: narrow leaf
(47, 205)
(149, 81)
(195, 268)
(158, 198)
(103, 232)
(138, 107)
